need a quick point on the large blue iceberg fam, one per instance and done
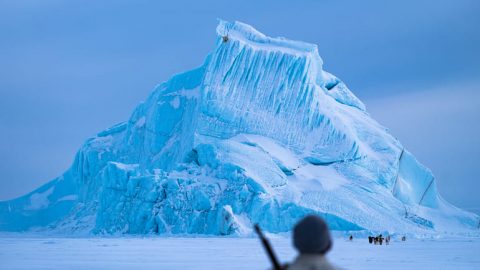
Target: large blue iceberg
(260, 133)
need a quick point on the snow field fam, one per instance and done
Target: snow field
(31, 252)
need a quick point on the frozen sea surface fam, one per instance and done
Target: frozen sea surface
(31, 252)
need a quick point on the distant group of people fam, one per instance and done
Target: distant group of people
(378, 240)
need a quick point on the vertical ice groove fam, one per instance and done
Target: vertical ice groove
(426, 190)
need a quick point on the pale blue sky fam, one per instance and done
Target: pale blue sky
(69, 69)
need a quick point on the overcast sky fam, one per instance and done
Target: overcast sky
(69, 69)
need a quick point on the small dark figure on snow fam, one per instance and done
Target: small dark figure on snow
(404, 238)
(225, 38)
(370, 239)
(387, 240)
(375, 240)
(380, 239)
(350, 238)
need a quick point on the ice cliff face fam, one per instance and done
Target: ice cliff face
(258, 134)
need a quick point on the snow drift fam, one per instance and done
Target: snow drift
(258, 134)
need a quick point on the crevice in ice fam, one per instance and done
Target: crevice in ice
(331, 84)
(286, 171)
(249, 143)
(192, 157)
(420, 221)
(398, 172)
(425, 192)
(318, 162)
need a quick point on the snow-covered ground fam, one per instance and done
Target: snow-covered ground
(33, 252)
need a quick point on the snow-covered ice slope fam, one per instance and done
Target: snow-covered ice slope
(258, 134)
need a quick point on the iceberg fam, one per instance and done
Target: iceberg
(259, 133)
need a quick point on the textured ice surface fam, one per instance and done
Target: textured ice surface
(258, 134)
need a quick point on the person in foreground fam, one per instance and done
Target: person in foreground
(311, 237)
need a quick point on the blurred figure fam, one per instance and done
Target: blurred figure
(380, 239)
(311, 237)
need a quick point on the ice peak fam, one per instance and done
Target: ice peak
(247, 34)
